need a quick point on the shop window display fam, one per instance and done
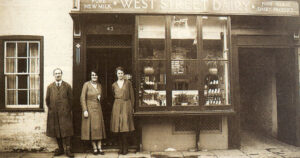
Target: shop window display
(215, 83)
(174, 70)
(152, 68)
(153, 83)
(215, 50)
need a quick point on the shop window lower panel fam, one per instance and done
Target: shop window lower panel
(205, 124)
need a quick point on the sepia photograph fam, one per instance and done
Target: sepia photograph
(149, 78)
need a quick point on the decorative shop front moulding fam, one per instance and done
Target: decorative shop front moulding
(224, 7)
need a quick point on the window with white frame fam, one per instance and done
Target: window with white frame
(22, 74)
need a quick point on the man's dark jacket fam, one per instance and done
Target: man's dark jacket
(59, 102)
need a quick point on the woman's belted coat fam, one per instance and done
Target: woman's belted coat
(92, 127)
(122, 112)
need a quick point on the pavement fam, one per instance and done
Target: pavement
(252, 146)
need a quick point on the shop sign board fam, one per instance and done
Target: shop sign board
(223, 7)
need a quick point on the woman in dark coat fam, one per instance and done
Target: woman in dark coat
(92, 127)
(122, 112)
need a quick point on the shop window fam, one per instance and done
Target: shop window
(184, 69)
(215, 50)
(183, 61)
(153, 83)
(152, 67)
(151, 35)
(22, 74)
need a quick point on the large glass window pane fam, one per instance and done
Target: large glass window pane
(22, 97)
(34, 81)
(10, 65)
(151, 27)
(153, 83)
(151, 33)
(216, 83)
(215, 37)
(185, 83)
(11, 98)
(11, 82)
(184, 35)
(22, 65)
(22, 82)
(22, 49)
(10, 49)
(151, 48)
(33, 49)
(34, 97)
(34, 65)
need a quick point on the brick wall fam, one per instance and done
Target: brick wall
(50, 19)
(24, 131)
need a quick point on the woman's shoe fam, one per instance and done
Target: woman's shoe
(100, 151)
(58, 152)
(95, 152)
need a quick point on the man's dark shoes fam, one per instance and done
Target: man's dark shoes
(124, 152)
(58, 152)
(68, 152)
(125, 149)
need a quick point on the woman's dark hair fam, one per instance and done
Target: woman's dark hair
(120, 68)
(94, 71)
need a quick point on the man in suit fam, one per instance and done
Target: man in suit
(59, 120)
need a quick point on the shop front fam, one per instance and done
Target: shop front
(194, 65)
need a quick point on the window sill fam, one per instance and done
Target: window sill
(22, 110)
(184, 113)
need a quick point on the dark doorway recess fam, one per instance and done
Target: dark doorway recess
(104, 53)
(267, 89)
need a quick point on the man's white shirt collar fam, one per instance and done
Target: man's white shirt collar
(58, 82)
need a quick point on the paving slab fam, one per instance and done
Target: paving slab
(200, 154)
(106, 155)
(265, 154)
(80, 155)
(280, 151)
(10, 155)
(136, 155)
(229, 154)
(169, 154)
(292, 155)
(37, 155)
(255, 153)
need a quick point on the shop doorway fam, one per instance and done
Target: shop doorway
(267, 88)
(105, 61)
(104, 53)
